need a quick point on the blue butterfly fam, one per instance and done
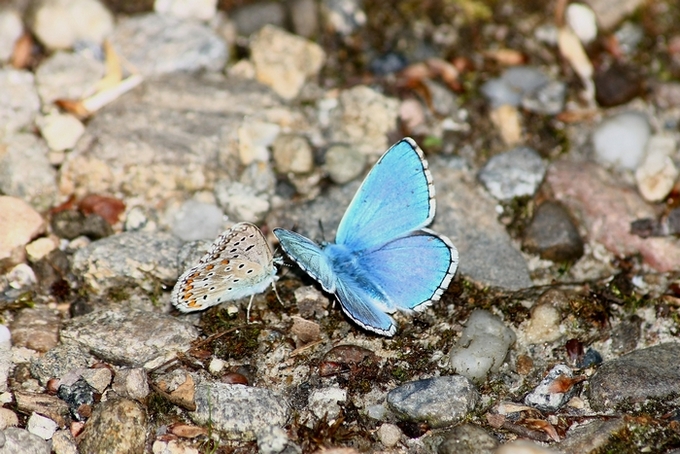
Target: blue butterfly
(383, 259)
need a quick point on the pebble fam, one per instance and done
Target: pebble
(609, 12)
(362, 120)
(251, 18)
(133, 261)
(161, 44)
(63, 442)
(582, 21)
(625, 335)
(131, 383)
(274, 440)
(389, 435)
(21, 277)
(515, 173)
(646, 374)
(592, 436)
(554, 391)
(11, 29)
(8, 418)
(36, 328)
(58, 362)
(41, 248)
(482, 347)
(122, 336)
(552, 234)
(241, 202)
(523, 447)
(657, 173)
(284, 61)
(310, 302)
(78, 395)
(19, 101)
(305, 331)
(343, 16)
(607, 207)
(60, 131)
(255, 138)
(544, 324)
(71, 224)
(344, 163)
(60, 24)
(197, 221)
(20, 440)
(67, 75)
(617, 84)
(292, 153)
(19, 224)
(620, 140)
(202, 10)
(547, 99)
(119, 423)
(25, 171)
(238, 412)
(99, 378)
(325, 402)
(468, 439)
(439, 401)
(304, 15)
(507, 120)
(513, 85)
(41, 426)
(7, 362)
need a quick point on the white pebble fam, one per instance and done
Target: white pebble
(582, 21)
(482, 347)
(5, 338)
(544, 324)
(657, 174)
(216, 365)
(389, 435)
(41, 426)
(203, 10)
(621, 140)
(11, 29)
(60, 131)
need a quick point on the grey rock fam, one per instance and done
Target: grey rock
(198, 221)
(545, 397)
(610, 12)
(292, 153)
(513, 85)
(274, 440)
(547, 99)
(591, 437)
(304, 15)
(625, 335)
(241, 202)
(36, 328)
(19, 440)
(647, 374)
(133, 262)
(19, 224)
(160, 44)
(64, 443)
(26, 172)
(67, 75)
(553, 235)
(344, 163)
(70, 224)
(115, 426)
(238, 412)
(468, 439)
(19, 101)
(343, 16)
(131, 383)
(468, 217)
(130, 337)
(251, 17)
(439, 401)
(515, 173)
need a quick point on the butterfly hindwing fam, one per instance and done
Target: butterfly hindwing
(309, 256)
(397, 197)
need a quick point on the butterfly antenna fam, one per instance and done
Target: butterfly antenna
(277, 293)
(323, 234)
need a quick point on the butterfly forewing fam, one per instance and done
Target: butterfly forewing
(238, 264)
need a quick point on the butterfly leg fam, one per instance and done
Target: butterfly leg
(250, 303)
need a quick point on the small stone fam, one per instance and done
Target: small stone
(343, 16)
(513, 85)
(131, 383)
(60, 131)
(66, 75)
(21, 277)
(621, 140)
(389, 435)
(238, 412)
(11, 29)
(241, 202)
(554, 391)
(617, 84)
(507, 120)
(468, 439)
(99, 378)
(657, 174)
(250, 18)
(284, 61)
(482, 346)
(41, 426)
(582, 21)
(197, 221)
(19, 224)
(19, 101)
(311, 303)
(344, 163)
(305, 331)
(292, 153)
(36, 328)
(59, 24)
(325, 402)
(59, 362)
(274, 440)
(71, 224)
(439, 401)
(79, 396)
(121, 423)
(8, 418)
(593, 436)
(63, 442)
(515, 173)
(305, 17)
(203, 10)
(544, 324)
(625, 335)
(547, 99)
(17, 440)
(552, 234)
(40, 248)
(255, 138)
(523, 447)
(50, 406)
(610, 12)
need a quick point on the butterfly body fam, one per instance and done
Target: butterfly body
(238, 264)
(383, 258)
